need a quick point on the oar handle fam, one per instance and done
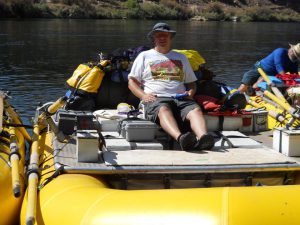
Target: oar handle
(264, 75)
(33, 177)
(32, 199)
(283, 104)
(1, 111)
(269, 82)
(14, 161)
(56, 105)
(279, 117)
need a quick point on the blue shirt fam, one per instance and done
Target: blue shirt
(278, 61)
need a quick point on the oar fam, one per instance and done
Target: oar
(277, 116)
(283, 104)
(14, 161)
(33, 177)
(33, 170)
(14, 117)
(1, 110)
(269, 82)
(46, 114)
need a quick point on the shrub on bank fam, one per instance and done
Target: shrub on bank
(4, 10)
(167, 10)
(267, 14)
(216, 12)
(19, 8)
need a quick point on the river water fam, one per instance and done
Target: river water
(37, 56)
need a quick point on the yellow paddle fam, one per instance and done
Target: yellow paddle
(269, 82)
(14, 161)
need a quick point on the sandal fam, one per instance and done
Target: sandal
(206, 142)
(187, 141)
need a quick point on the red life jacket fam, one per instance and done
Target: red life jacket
(289, 79)
(207, 102)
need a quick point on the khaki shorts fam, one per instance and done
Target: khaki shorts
(180, 108)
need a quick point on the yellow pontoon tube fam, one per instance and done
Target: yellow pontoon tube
(72, 199)
(81, 199)
(11, 177)
(277, 116)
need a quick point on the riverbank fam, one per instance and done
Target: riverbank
(229, 10)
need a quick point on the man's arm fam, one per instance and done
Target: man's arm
(279, 56)
(191, 90)
(135, 88)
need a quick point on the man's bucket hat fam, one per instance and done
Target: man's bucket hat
(296, 50)
(160, 27)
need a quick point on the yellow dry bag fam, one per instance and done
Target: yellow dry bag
(194, 58)
(86, 79)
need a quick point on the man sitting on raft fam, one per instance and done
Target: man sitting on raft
(280, 61)
(159, 74)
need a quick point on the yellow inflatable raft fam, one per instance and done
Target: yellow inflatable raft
(281, 112)
(12, 158)
(247, 185)
(277, 116)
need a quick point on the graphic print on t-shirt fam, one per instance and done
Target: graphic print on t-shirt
(167, 70)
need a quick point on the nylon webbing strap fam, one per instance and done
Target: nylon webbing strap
(221, 122)
(280, 141)
(225, 139)
(133, 145)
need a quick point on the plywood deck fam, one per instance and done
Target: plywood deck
(246, 154)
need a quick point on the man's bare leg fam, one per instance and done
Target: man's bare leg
(198, 125)
(168, 122)
(187, 141)
(197, 122)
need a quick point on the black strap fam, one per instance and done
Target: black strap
(221, 122)
(54, 175)
(225, 138)
(280, 141)
(101, 140)
(133, 145)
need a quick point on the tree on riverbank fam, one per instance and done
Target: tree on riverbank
(217, 10)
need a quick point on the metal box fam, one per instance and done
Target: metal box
(286, 141)
(87, 145)
(69, 121)
(260, 120)
(139, 130)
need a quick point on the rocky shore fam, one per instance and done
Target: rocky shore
(201, 10)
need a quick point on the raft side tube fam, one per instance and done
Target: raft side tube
(83, 199)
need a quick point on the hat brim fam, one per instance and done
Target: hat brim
(151, 33)
(295, 53)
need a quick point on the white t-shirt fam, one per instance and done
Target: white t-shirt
(162, 74)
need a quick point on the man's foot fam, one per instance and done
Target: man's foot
(206, 142)
(187, 141)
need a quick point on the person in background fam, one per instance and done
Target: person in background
(156, 77)
(280, 61)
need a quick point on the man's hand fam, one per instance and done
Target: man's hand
(190, 93)
(191, 87)
(148, 98)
